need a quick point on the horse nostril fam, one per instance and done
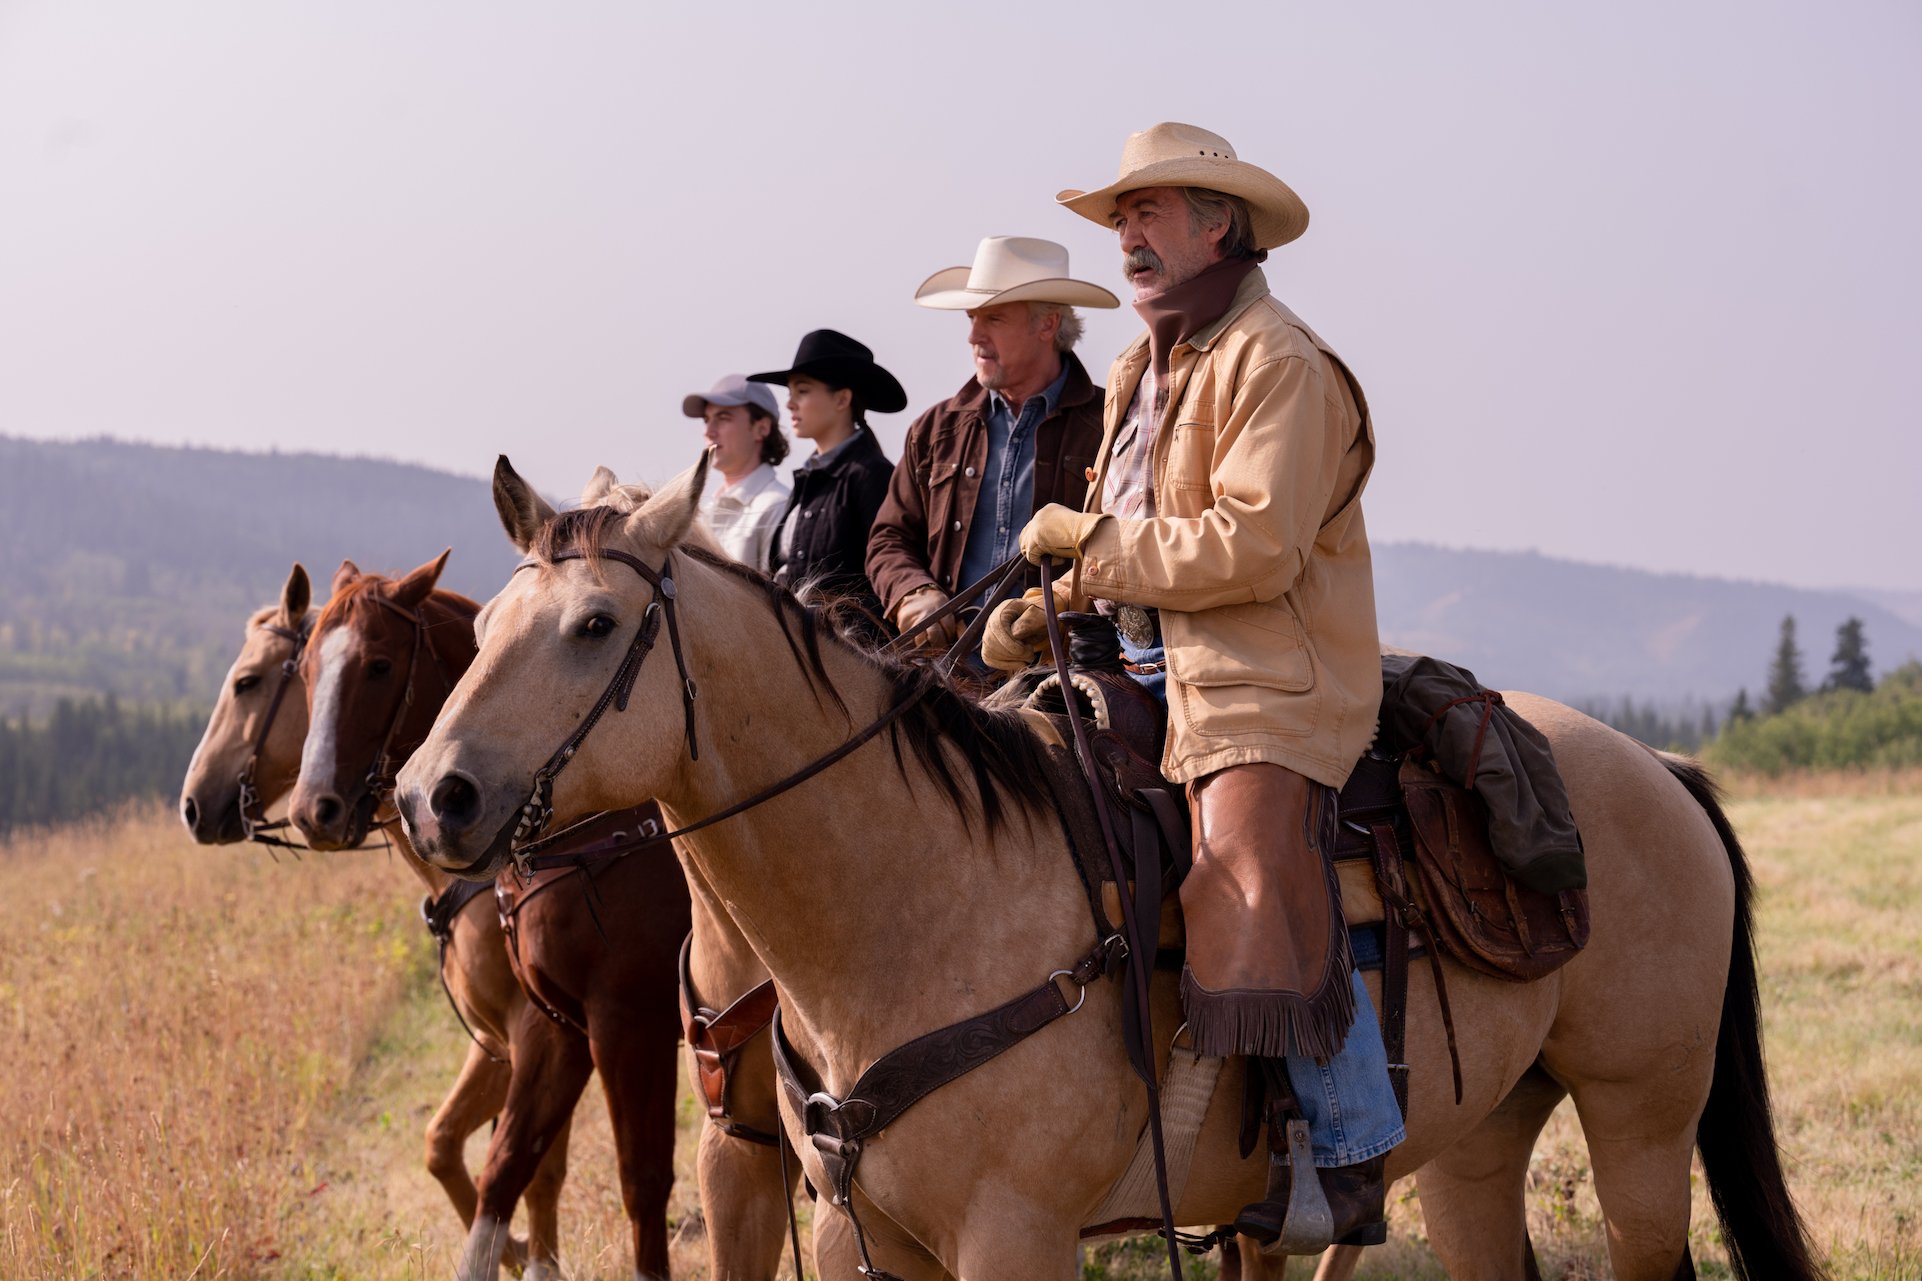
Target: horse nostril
(455, 801)
(327, 812)
(190, 814)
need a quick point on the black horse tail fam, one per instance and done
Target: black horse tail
(1761, 1228)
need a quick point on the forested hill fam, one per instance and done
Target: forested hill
(129, 568)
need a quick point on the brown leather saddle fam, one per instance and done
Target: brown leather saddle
(1412, 853)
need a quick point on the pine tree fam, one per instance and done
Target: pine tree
(1708, 722)
(1849, 668)
(1740, 710)
(1785, 684)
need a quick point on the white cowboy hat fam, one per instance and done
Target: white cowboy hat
(1175, 155)
(1011, 269)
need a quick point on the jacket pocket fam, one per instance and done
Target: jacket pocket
(1191, 457)
(1254, 643)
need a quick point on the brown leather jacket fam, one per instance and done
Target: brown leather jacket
(922, 531)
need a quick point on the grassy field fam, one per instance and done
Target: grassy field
(220, 1066)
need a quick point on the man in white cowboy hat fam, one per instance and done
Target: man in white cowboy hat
(1020, 433)
(1223, 532)
(744, 441)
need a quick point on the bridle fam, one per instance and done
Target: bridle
(529, 847)
(253, 813)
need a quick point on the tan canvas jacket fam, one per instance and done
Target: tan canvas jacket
(1257, 556)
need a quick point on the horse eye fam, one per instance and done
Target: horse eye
(598, 627)
(245, 683)
(379, 668)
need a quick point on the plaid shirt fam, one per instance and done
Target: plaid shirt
(1128, 490)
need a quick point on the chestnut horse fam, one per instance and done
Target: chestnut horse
(255, 732)
(926, 879)
(595, 948)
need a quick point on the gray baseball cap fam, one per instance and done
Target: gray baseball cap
(734, 389)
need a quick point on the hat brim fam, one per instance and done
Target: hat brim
(1278, 215)
(876, 387)
(948, 291)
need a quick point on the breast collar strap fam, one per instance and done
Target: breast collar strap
(539, 807)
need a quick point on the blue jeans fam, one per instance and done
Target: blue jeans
(1348, 1100)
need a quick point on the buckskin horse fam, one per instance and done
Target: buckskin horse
(247, 761)
(890, 852)
(595, 942)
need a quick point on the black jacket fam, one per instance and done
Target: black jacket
(837, 505)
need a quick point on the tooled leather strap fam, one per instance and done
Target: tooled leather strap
(905, 1075)
(716, 1041)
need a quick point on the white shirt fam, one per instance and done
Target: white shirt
(744, 513)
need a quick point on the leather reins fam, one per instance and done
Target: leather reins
(529, 845)
(253, 814)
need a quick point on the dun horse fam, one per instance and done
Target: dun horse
(255, 733)
(596, 946)
(924, 879)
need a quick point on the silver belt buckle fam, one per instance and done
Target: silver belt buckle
(1133, 623)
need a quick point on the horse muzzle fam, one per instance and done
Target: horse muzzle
(446, 824)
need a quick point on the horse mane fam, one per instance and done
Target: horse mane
(271, 614)
(361, 598)
(1003, 754)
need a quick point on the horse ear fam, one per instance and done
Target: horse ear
(344, 576)
(412, 590)
(522, 511)
(295, 597)
(599, 486)
(664, 519)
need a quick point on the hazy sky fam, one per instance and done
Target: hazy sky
(1628, 282)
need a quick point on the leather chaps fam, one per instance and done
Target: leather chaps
(1268, 961)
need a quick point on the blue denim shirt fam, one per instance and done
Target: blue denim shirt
(1007, 484)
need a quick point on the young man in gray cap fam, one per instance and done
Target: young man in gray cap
(744, 443)
(1018, 436)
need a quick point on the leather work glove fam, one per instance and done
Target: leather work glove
(917, 605)
(1017, 634)
(1058, 531)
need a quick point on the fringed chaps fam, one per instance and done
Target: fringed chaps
(1268, 957)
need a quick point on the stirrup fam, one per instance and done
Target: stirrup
(1307, 1224)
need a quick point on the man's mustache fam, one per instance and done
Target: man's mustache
(1139, 260)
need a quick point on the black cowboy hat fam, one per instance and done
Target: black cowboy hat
(839, 361)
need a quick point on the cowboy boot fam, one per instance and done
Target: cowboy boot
(1304, 1210)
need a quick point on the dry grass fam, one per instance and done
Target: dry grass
(178, 1025)
(268, 1123)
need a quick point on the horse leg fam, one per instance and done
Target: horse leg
(1640, 1138)
(893, 1250)
(1471, 1194)
(478, 1093)
(640, 1074)
(551, 1067)
(1338, 1262)
(543, 1251)
(745, 1200)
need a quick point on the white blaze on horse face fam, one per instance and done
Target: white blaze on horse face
(321, 752)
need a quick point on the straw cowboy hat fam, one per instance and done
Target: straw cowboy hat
(1175, 155)
(1011, 269)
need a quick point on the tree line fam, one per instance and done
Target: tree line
(89, 755)
(1848, 721)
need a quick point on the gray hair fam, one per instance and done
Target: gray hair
(1069, 333)
(1209, 208)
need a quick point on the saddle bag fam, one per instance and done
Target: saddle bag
(1480, 915)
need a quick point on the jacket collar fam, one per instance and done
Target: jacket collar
(1254, 287)
(1078, 390)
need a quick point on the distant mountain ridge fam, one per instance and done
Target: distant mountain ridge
(129, 568)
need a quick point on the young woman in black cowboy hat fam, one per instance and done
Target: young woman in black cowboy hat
(823, 537)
